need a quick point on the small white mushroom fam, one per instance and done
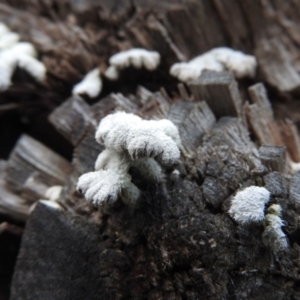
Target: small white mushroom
(3, 29)
(15, 54)
(248, 205)
(90, 85)
(130, 142)
(136, 58)
(8, 39)
(218, 59)
(141, 138)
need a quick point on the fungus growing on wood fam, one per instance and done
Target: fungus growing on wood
(130, 142)
(136, 58)
(218, 59)
(273, 235)
(248, 205)
(15, 54)
(91, 84)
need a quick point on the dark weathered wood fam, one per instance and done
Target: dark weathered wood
(282, 73)
(12, 205)
(273, 157)
(193, 121)
(180, 242)
(30, 156)
(290, 136)
(110, 104)
(261, 118)
(220, 91)
(45, 284)
(71, 119)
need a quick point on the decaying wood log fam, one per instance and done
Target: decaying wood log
(180, 242)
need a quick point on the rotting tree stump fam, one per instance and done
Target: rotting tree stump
(180, 243)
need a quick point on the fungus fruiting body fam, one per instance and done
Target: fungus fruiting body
(248, 205)
(218, 59)
(15, 54)
(273, 235)
(136, 58)
(90, 85)
(130, 142)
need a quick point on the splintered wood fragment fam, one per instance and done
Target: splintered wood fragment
(295, 191)
(273, 157)
(86, 152)
(258, 94)
(143, 94)
(276, 184)
(157, 106)
(260, 116)
(276, 65)
(71, 118)
(224, 160)
(13, 205)
(193, 121)
(183, 92)
(110, 104)
(34, 188)
(231, 131)
(11, 228)
(220, 91)
(291, 139)
(30, 156)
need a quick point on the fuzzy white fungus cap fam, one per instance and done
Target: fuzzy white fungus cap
(130, 142)
(140, 138)
(105, 186)
(15, 54)
(273, 235)
(218, 59)
(3, 29)
(110, 180)
(90, 85)
(136, 58)
(248, 205)
(8, 39)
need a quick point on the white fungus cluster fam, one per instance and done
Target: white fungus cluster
(136, 58)
(273, 235)
(248, 205)
(218, 59)
(90, 85)
(130, 142)
(15, 54)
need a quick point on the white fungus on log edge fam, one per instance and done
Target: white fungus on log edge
(129, 141)
(15, 54)
(273, 235)
(136, 58)
(248, 205)
(218, 59)
(91, 84)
